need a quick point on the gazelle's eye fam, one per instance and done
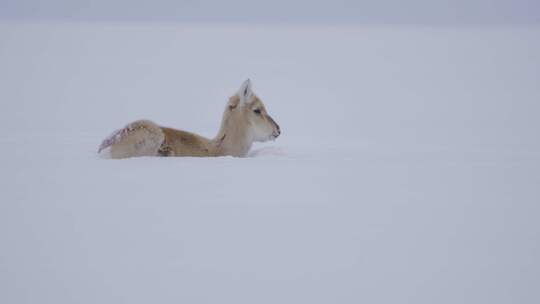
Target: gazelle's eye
(257, 111)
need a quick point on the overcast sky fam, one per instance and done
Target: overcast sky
(281, 11)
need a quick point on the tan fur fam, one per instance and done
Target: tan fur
(143, 138)
(244, 121)
(182, 143)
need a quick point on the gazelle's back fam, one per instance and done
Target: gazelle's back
(145, 138)
(182, 143)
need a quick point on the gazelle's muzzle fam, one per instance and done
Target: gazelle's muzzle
(277, 130)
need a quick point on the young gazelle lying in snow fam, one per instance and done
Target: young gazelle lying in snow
(245, 121)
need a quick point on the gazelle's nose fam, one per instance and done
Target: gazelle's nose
(277, 132)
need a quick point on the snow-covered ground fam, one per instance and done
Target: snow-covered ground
(408, 170)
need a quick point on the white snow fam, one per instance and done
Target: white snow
(408, 169)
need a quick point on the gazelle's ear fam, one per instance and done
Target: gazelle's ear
(245, 93)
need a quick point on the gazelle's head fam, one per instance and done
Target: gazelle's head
(248, 109)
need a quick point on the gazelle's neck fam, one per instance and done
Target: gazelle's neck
(234, 137)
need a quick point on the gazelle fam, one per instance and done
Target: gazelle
(245, 121)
